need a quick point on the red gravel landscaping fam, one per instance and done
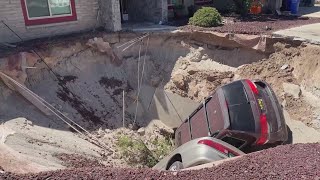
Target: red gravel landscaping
(299, 161)
(263, 24)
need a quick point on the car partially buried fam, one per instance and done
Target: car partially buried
(237, 116)
(196, 152)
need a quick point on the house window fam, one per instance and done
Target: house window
(38, 12)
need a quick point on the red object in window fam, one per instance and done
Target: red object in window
(219, 147)
(48, 20)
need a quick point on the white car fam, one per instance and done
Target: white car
(196, 152)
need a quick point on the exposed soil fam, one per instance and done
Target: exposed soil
(197, 85)
(263, 24)
(66, 95)
(299, 161)
(270, 71)
(286, 65)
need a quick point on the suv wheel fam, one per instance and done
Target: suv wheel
(176, 166)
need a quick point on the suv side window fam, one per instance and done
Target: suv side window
(198, 124)
(182, 134)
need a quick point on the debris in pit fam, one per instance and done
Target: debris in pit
(1, 170)
(285, 66)
(179, 81)
(298, 109)
(78, 161)
(66, 79)
(292, 90)
(141, 131)
(110, 82)
(198, 84)
(104, 47)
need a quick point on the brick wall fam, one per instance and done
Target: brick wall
(11, 14)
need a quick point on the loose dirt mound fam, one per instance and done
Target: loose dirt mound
(287, 65)
(198, 85)
(299, 161)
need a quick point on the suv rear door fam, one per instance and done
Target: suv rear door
(239, 107)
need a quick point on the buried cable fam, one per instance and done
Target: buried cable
(141, 79)
(134, 43)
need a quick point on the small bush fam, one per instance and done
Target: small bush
(206, 17)
(136, 152)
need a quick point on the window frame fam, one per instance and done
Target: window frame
(48, 19)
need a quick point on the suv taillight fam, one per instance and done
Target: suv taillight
(219, 147)
(252, 86)
(264, 130)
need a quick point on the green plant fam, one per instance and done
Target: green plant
(163, 147)
(242, 6)
(136, 152)
(206, 17)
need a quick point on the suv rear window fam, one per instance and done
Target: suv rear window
(235, 93)
(240, 111)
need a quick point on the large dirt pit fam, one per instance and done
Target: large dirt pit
(163, 77)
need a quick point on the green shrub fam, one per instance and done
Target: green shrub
(136, 152)
(206, 17)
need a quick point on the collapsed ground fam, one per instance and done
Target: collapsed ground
(85, 80)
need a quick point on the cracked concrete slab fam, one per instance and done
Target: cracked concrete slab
(309, 33)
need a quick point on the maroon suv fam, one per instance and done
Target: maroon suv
(243, 113)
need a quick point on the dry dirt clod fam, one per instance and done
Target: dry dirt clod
(184, 66)
(141, 131)
(285, 66)
(292, 89)
(179, 81)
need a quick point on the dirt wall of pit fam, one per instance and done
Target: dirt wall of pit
(86, 82)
